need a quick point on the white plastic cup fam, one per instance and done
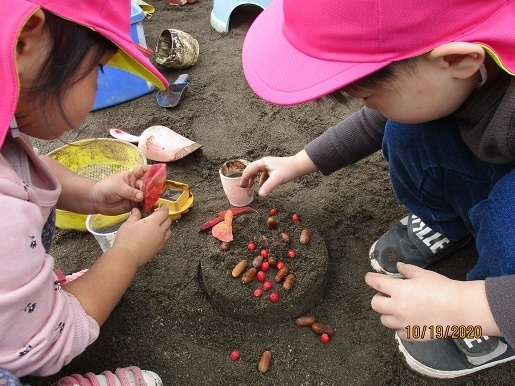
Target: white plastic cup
(104, 228)
(230, 175)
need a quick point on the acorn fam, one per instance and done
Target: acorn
(304, 237)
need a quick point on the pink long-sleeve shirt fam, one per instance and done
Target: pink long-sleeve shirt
(42, 327)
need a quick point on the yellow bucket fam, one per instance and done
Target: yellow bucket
(96, 159)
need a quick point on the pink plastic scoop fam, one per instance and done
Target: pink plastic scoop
(159, 143)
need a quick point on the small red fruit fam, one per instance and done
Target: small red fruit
(267, 285)
(264, 253)
(251, 246)
(274, 297)
(291, 253)
(295, 217)
(264, 266)
(258, 292)
(273, 211)
(261, 276)
(279, 265)
(235, 355)
(325, 338)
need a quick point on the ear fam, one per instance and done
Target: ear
(463, 59)
(30, 40)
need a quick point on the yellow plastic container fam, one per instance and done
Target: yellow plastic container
(177, 197)
(96, 159)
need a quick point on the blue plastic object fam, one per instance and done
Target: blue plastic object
(172, 96)
(222, 10)
(115, 85)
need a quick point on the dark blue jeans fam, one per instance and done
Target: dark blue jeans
(436, 176)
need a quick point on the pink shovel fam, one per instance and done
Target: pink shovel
(159, 143)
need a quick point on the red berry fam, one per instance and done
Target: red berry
(291, 253)
(324, 338)
(274, 297)
(261, 276)
(251, 246)
(295, 217)
(264, 253)
(235, 355)
(267, 285)
(279, 265)
(265, 265)
(258, 292)
(273, 211)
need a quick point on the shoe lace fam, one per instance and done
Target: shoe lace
(138, 375)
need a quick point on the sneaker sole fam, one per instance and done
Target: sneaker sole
(375, 265)
(442, 374)
(151, 376)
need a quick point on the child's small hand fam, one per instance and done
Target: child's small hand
(144, 237)
(276, 171)
(137, 242)
(424, 298)
(428, 303)
(119, 193)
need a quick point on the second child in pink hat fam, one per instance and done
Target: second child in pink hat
(436, 80)
(50, 54)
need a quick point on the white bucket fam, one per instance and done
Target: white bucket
(104, 228)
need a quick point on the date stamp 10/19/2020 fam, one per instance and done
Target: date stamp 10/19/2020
(442, 332)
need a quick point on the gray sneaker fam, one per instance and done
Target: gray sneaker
(452, 358)
(411, 241)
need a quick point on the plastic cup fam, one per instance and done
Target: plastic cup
(104, 228)
(230, 175)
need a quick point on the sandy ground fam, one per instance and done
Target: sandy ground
(166, 322)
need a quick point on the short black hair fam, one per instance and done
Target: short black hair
(378, 79)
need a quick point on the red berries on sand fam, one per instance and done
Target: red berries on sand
(274, 297)
(235, 355)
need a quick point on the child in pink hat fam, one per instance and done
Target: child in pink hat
(438, 93)
(50, 52)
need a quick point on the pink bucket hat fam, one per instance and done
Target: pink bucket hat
(297, 51)
(110, 18)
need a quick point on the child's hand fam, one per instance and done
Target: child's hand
(276, 171)
(137, 242)
(119, 193)
(426, 298)
(143, 238)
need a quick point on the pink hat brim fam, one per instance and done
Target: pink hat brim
(281, 74)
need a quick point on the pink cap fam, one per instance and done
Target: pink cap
(110, 18)
(297, 51)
